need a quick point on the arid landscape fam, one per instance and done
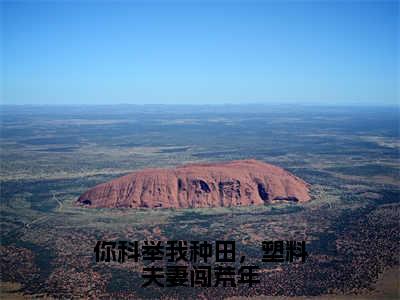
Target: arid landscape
(349, 159)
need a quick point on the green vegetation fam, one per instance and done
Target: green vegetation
(49, 158)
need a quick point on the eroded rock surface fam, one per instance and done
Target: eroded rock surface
(235, 183)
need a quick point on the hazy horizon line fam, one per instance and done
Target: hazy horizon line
(321, 104)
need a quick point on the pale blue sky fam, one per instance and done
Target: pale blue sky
(200, 52)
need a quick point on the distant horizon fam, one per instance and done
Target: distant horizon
(263, 104)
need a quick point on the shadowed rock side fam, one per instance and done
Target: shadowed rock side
(236, 183)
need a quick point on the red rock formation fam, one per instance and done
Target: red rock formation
(242, 182)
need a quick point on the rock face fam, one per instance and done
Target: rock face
(235, 183)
